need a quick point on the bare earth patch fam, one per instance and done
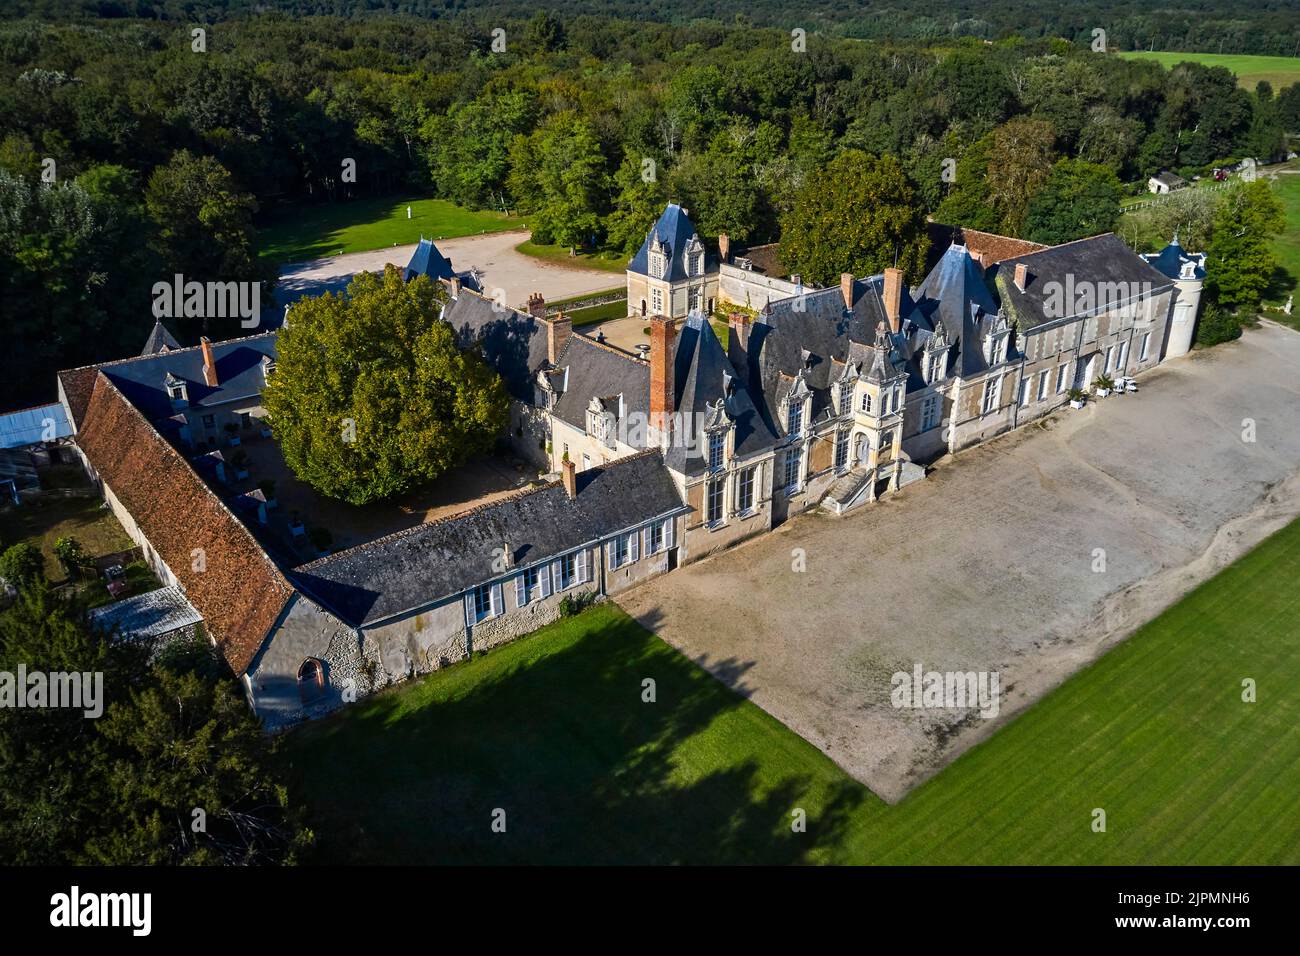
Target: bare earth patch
(988, 565)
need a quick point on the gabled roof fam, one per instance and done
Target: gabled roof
(1100, 261)
(147, 615)
(239, 590)
(601, 371)
(1170, 261)
(706, 381)
(955, 294)
(142, 378)
(431, 562)
(1166, 178)
(513, 342)
(987, 248)
(159, 340)
(675, 230)
(427, 261)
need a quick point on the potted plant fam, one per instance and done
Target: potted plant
(232, 434)
(1078, 398)
(295, 525)
(1104, 385)
(267, 485)
(239, 462)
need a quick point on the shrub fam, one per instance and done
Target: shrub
(22, 565)
(1217, 325)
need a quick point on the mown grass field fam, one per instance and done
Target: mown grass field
(1287, 246)
(1279, 70)
(553, 730)
(311, 232)
(606, 262)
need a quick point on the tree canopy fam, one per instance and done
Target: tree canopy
(372, 395)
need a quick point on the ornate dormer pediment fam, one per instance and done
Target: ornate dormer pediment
(716, 418)
(939, 340)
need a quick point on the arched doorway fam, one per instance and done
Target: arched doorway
(311, 680)
(643, 308)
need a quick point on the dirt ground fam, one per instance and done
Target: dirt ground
(991, 564)
(493, 255)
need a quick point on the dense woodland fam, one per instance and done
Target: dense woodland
(127, 156)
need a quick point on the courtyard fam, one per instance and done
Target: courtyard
(1029, 556)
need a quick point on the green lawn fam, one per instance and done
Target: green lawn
(1279, 70)
(552, 729)
(599, 313)
(310, 232)
(604, 261)
(1287, 246)
(44, 521)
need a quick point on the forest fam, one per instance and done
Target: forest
(132, 149)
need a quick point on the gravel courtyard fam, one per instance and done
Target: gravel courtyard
(493, 255)
(990, 564)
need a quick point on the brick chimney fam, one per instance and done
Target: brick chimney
(1022, 276)
(739, 325)
(569, 474)
(662, 388)
(894, 298)
(209, 363)
(537, 306)
(846, 290)
(558, 330)
(724, 247)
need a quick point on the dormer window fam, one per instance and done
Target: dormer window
(794, 418)
(717, 450)
(934, 366)
(177, 391)
(846, 397)
(268, 367)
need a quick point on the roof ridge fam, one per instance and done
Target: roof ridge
(1039, 252)
(154, 355)
(621, 353)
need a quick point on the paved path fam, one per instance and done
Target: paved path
(493, 255)
(988, 565)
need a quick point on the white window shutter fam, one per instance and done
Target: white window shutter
(668, 533)
(544, 579)
(498, 602)
(583, 557)
(609, 554)
(634, 547)
(647, 545)
(521, 590)
(469, 609)
(557, 576)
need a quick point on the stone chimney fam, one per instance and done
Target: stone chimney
(569, 474)
(537, 306)
(209, 363)
(739, 326)
(663, 392)
(1022, 276)
(558, 330)
(846, 290)
(454, 282)
(507, 554)
(724, 247)
(894, 298)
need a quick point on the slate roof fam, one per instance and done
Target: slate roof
(27, 426)
(674, 228)
(703, 377)
(595, 369)
(240, 593)
(1099, 259)
(239, 370)
(1172, 180)
(513, 342)
(430, 562)
(955, 294)
(1170, 260)
(427, 261)
(159, 340)
(148, 615)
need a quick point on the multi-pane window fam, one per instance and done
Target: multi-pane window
(177, 392)
(792, 461)
(695, 300)
(1024, 391)
(1062, 379)
(745, 491)
(935, 369)
(795, 417)
(657, 300)
(657, 537)
(929, 413)
(713, 504)
(1146, 343)
(1043, 376)
(526, 586)
(841, 450)
(1110, 354)
(717, 443)
(483, 602)
(568, 571)
(866, 402)
(846, 397)
(992, 393)
(622, 548)
(1121, 359)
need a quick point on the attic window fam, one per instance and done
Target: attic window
(794, 418)
(846, 397)
(717, 446)
(176, 392)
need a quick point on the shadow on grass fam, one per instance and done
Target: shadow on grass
(553, 730)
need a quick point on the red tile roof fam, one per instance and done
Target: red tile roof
(240, 592)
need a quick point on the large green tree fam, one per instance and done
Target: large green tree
(1078, 199)
(372, 395)
(858, 214)
(558, 176)
(1241, 259)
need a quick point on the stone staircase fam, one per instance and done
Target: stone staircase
(848, 490)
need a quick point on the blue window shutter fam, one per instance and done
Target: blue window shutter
(557, 575)
(582, 566)
(544, 579)
(469, 609)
